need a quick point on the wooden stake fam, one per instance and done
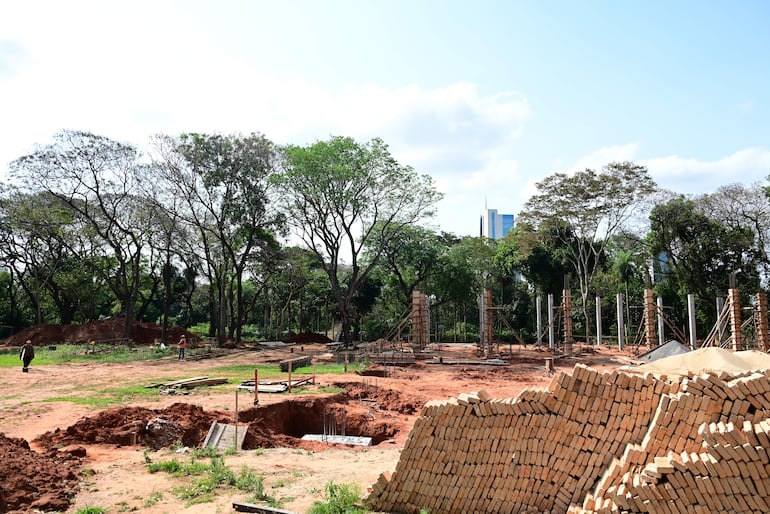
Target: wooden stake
(256, 386)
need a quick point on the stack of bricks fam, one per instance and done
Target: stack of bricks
(591, 442)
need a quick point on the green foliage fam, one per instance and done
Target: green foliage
(207, 478)
(339, 499)
(91, 510)
(153, 499)
(341, 190)
(172, 466)
(66, 353)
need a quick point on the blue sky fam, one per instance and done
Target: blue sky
(488, 97)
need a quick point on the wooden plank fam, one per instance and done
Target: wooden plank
(174, 383)
(203, 382)
(250, 507)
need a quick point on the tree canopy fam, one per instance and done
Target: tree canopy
(342, 195)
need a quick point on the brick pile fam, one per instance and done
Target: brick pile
(591, 442)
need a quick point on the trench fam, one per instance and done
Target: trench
(295, 418)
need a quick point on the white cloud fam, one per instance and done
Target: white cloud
(128, 73)
(691, 176)
(686, 175)
(605, 155)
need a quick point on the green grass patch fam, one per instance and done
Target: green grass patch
(109, 397)
(65, 353)
(91, 510)
(342, 498)
(207, 478)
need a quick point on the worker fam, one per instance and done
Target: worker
(26, 355)
(182, 346)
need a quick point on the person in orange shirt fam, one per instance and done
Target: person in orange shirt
(182, 346)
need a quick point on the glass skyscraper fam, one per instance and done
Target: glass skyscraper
(496, 226)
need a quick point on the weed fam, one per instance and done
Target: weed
(170, 466)
(91, 510)
(153, 499)
(209, 451)
(339, 499)
(125, 507)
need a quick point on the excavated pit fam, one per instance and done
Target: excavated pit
(359, 411)
(48, 480)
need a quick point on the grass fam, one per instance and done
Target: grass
(91, 510)
(243, 372)
(339, 499)
(65, 353)
(207, 478)
(153, 499)
(109, 397)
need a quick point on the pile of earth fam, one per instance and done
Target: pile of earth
(106, 330)
(306, 338)
(37, 482)
(183, 423)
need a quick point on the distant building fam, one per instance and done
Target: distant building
(494, 225)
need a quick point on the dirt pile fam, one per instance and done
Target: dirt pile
(103, 330)
(127, 426)
(306, 338)
(31, 481)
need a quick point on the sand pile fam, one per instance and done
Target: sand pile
(708, 360)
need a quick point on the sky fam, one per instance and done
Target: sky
(488, 97)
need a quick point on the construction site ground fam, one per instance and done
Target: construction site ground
(87, 453)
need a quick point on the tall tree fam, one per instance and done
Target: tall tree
(224, 182)
(96, 179)
(738, 206)
(409, 258)
(342, 195)
(698, 253)
(586, 209)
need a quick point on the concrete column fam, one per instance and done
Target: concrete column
(691, 318)
(598, 321)
(551, 328)
(621, 324)
(720, 326)
(735, 318)
(538, 309)
(661, 324)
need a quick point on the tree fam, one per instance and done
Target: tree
(409, 258)
(340, 196)
(537, 255)
(739, 206)
(698, 254)
(96, 178)
(585, 209)
(223, 181)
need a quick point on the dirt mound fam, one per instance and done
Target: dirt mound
(127, 426)
(382, 398)
(306, 337)
(31, 481)
(108, 330)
